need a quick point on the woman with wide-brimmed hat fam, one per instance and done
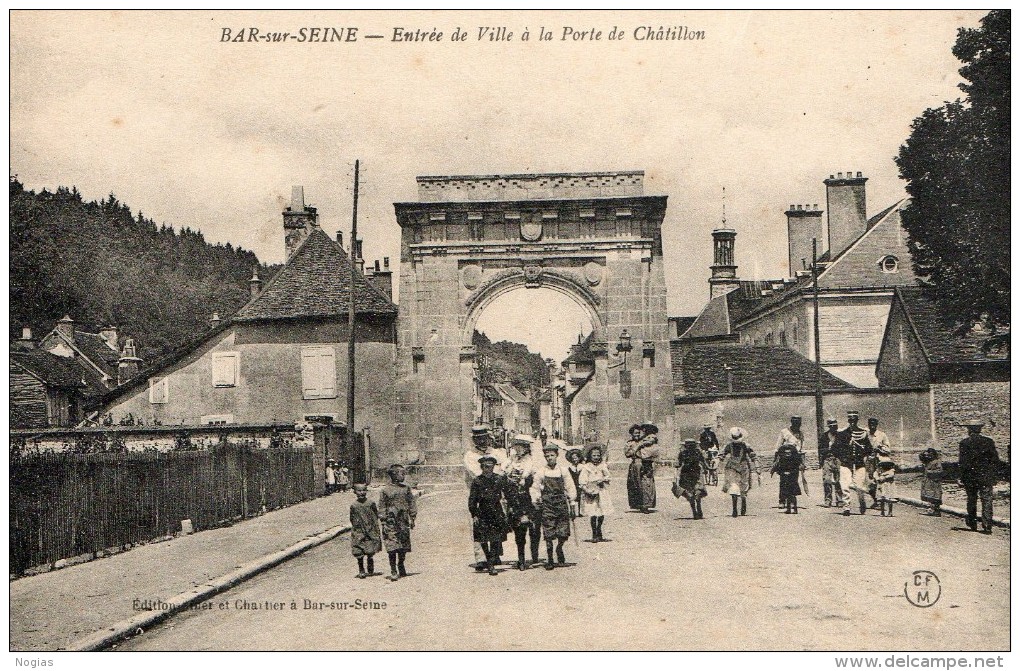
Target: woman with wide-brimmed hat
(738, 461)
(642, 449)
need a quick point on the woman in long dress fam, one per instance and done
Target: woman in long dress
(595, 499)
(931, 483)
(738, 461)
(691, 471)
(642, 449)
(788, 463)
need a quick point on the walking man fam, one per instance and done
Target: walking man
(482, 445)
(979, 461)
(851, 449)
(879, 441)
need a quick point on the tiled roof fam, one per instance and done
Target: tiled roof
(511, 392)
(702, 370)
(53, 370)
(682, 324)
(581, 352)
(315, 283)
(95, 348)
(722, 312)
(938, 336)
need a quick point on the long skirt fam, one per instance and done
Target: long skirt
(931, 490)
(737, 478)
(788, 484)
(396, 531)
(641, 484)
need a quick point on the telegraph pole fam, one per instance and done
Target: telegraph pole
(819, 411)
(350, 325)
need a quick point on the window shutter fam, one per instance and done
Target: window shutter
(224, 369)
(159, 390)
(327, 373)
(318, 372)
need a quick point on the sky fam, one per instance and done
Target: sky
(198, 132)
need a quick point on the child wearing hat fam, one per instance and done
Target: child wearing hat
(931, 482)
(595, 498)
(398, 510)
(522, 514)
(830, 480)
(690, 477)
(330, 477)
(365, 537)
(575, 458)
(485, 503)
(553, 492)
(885, 480)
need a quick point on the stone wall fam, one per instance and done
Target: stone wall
(957, 402)
(903, 415)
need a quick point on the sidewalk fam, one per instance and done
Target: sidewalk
(52, 610)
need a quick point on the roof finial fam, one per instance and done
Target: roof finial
(724, 206)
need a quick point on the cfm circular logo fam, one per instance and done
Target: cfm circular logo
(923, 589)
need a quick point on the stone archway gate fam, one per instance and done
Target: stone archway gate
(594, 237)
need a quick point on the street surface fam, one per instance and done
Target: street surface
(768, 581)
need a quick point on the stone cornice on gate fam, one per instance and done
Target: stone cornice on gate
(477, 250)
(647, 208)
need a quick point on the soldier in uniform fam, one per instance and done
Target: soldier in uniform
(852, 447)
(979, 463)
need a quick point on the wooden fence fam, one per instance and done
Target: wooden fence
(67, 504)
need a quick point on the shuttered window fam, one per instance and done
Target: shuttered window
(225, 369)
(159, 390)
(318, 372)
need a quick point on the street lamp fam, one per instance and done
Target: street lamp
(623, 347)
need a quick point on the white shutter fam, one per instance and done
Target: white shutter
(318, 372)
(159, 390)
(224, 369)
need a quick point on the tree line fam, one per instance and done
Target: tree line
(103, 265)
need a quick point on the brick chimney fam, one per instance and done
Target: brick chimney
(214, 320)
(298, 220)
(109, 334)
(26, 342)
(65, 327)
(724, 270)
(381, 278)
(129, 363)
(803, 222)
(255, 283)
(845, 202)
(359, 259)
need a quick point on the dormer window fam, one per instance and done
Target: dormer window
(889, 264)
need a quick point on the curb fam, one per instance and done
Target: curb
(103, 639)
(956, 512)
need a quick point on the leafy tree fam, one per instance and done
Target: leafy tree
(101, 264)
(957, 165)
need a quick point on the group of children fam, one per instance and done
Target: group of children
(396, 511)
(337, 477)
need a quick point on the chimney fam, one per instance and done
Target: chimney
(340, 238)
(724, 270)
(129, 363)
(26, 342)
(298, 220)
(214, 321)
(382, 278)
(255, 283)
(848, 218)
(803, 222)
(109, 334)
(65, 327)
(359, 260)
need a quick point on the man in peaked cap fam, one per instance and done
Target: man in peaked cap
(979, 463)
(481, 445)
(852, 448)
